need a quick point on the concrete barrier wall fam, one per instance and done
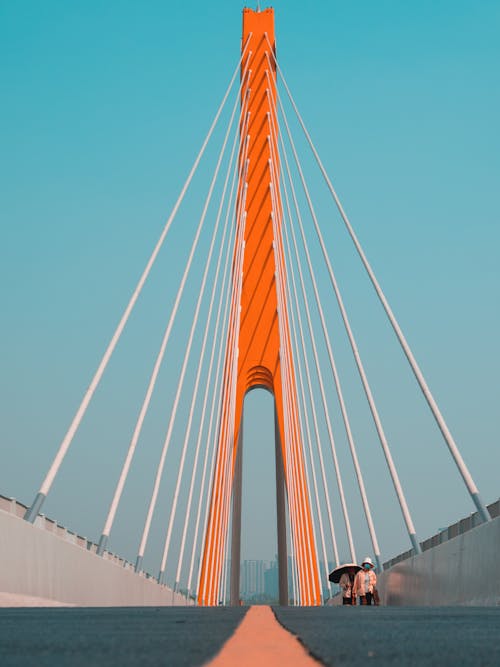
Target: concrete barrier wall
(41, 564)
(461, 571)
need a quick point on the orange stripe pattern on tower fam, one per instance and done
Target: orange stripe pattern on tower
(259, 352)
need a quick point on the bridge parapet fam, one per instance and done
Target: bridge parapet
(15, 507)
(451, 572)
(453, 530)
(49, 562)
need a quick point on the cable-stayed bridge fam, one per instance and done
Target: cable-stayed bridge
(259, 317)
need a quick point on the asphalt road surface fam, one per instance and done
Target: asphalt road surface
(403, 636)
(114, 637)
(182, 637)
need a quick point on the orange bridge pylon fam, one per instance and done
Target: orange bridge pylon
(259, 352)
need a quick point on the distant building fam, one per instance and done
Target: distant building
(259, 580)
(271, 580)
(252, 578)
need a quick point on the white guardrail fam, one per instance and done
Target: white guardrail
(49, 562)
(457, 566)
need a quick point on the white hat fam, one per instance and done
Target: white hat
(368, 560)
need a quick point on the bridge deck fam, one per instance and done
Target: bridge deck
(402, 636)
(181, 637)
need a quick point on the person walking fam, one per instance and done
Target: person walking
(365, 584)
(346, 583)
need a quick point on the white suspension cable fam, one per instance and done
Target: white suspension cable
(293, 563)
(173, 414)
(32, 512)
(209, 439)
(309, 442)
(287, 365)
(306, 484)
(223, 393)
(293, 521)
(225, 572)
(291, 418)
(338, 388)
(296, 516)
(204, 342)
(295, 508)
(224, 426)
(291, 435)
(233, 341)
(227, 424)
(294, 513)
(313, 554)
(313, 407)
(450, 442)
(302, 388)
(333, 448)
(230, 431)
(216, 399)
(314, 414)
(218, 377)
(190, 341)
(378, 423)
(222, 520)
(136, 434)
(224, 544)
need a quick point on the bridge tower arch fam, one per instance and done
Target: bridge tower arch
(259, 351)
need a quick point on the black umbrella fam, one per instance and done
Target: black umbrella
(339, 571)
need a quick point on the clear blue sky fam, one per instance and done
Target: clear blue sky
(104, 106)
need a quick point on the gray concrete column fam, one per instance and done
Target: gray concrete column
(236, 522)
(281, 515)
